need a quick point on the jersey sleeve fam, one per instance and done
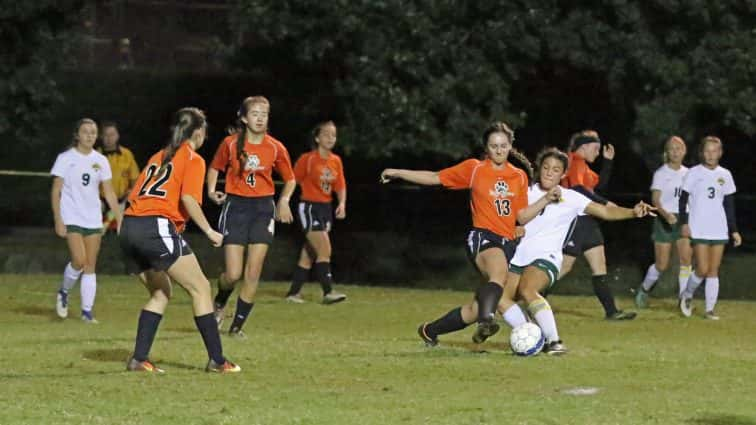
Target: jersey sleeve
(300, 168)
(107, 173)
(58, 168)
(576, 200)
(340, 183)
(282, 165)
(729, 186)
(459, 176)
(222, 155)
(194, 178)
(656, 182)
(575, 176)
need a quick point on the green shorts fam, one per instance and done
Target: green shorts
(551, 270)
(83, 230)
(708, 241)
(665, 232)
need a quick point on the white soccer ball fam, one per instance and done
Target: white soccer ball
(526, 340)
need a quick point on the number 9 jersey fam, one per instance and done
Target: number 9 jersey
(160, 195)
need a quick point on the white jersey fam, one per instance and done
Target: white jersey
(80, 197)
(546, 233)
(707, 189)
(669, 183)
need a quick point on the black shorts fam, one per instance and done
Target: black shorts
(585, 234)
(315, 216)
(151, 243)
(245, 221)
(479, 240)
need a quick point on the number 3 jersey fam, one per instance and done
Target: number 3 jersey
(707, 189)
(496, 196)
(319, 177)
(252, 175)
(80, 197)
(159, 194)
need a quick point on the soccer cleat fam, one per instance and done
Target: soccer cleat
(237, 334)
(621, 315)
(220, 314)
(429, 342)
(226, 367)
(641, 298)
(710, 315)
(686, 306)
(135, 365)
(333, 298)
(61, 304)
(88, 318)
(296, 299)
(484, 331)
(554, 348)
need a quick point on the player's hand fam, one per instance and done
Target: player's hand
(608, 151)
(341, 211)
(685, 231)
(519, 232)
(554, 194)
(283, 212)
(60, 229)
(217, 197)
(215, 238)
(670, 218)
(389, 174)
(736, 239)
(642, 209)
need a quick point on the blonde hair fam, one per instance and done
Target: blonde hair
(706, 140)
(669, 142)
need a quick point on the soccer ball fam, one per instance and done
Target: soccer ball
(526, 340)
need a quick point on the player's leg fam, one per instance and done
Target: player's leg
(321, 244)
(158, 284)
(597, 262)
(301, 274)
(712, 280)
(186, 272)
(701, 254)
(494, 266)
(233, 255)
(567, 263)
(72, 272)
(662, 251)
(246, 301)
(533, 282)
(685, 255)
(89, 277)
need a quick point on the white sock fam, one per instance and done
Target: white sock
(514, 316)
(541, 311)
(682, 278)
(70, 276)
(712, 292)
(88, 291)
(693, 283)
(652, 275)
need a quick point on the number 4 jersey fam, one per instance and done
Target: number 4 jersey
(159, 194)
(495, 195)
(80, 197)
(707, 189)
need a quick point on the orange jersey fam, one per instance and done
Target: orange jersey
(255, 179)
(319, 177)
(496, 196)
(579, 173)
(161, 195)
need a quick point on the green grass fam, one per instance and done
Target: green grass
(361, 363)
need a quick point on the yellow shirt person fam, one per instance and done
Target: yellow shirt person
(122, 164)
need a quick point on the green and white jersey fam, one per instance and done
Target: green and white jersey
(546, 233)
(669, 183)
(80, 198)
(707, 189)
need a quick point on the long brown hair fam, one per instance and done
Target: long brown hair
(520, 160)
(185, 122)
(240, 128)
(315, 132)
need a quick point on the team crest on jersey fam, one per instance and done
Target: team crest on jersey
(501, 190)
(721, 181)
(253, 163)
(96, 167)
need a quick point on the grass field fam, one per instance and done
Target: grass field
(361, 363)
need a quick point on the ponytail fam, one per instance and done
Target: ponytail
(521, 161)
(185, 122)
(240, 129)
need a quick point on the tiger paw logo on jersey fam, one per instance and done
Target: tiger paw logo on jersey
(326, 177)
(253, 163)
(501, 190)
(721, 181)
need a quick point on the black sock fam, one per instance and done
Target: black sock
(488, 296)
(604, 294)
(223, 294)
(208, 328)
(300, 277)
(449, 322)
(243, 309)
(322, 272)
(146, 330)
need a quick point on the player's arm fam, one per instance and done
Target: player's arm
(531, 211)
(593, 196)
(195, 212)
(656, 202)
(615, 213)
(606, 168)
(283, 210)
(57, 188)
(341, 196)
(112, 201)
(425, 178)
(212, 182)
(732, 225)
